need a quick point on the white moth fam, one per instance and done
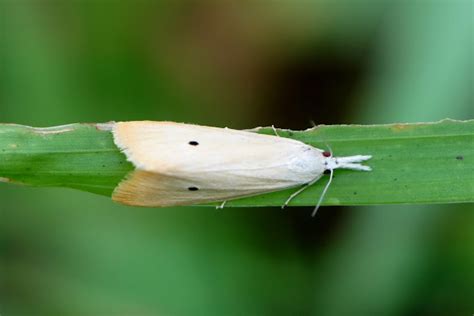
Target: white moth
(183, 164)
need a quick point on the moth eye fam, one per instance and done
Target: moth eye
(327, 171)
(193, 188)
(193, 143)
(326, 154)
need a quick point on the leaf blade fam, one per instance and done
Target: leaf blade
(412, 163)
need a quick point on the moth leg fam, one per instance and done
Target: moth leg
(220, 207)
(298, 192)
(275, 131)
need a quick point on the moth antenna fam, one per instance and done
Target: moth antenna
(324, 192)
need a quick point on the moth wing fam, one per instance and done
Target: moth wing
(149, 189)
(174, 147)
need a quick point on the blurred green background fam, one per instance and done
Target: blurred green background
(239, 64)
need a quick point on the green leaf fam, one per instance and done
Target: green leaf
(80, 156)
(412, 163)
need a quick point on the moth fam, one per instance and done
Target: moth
(184, 164)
